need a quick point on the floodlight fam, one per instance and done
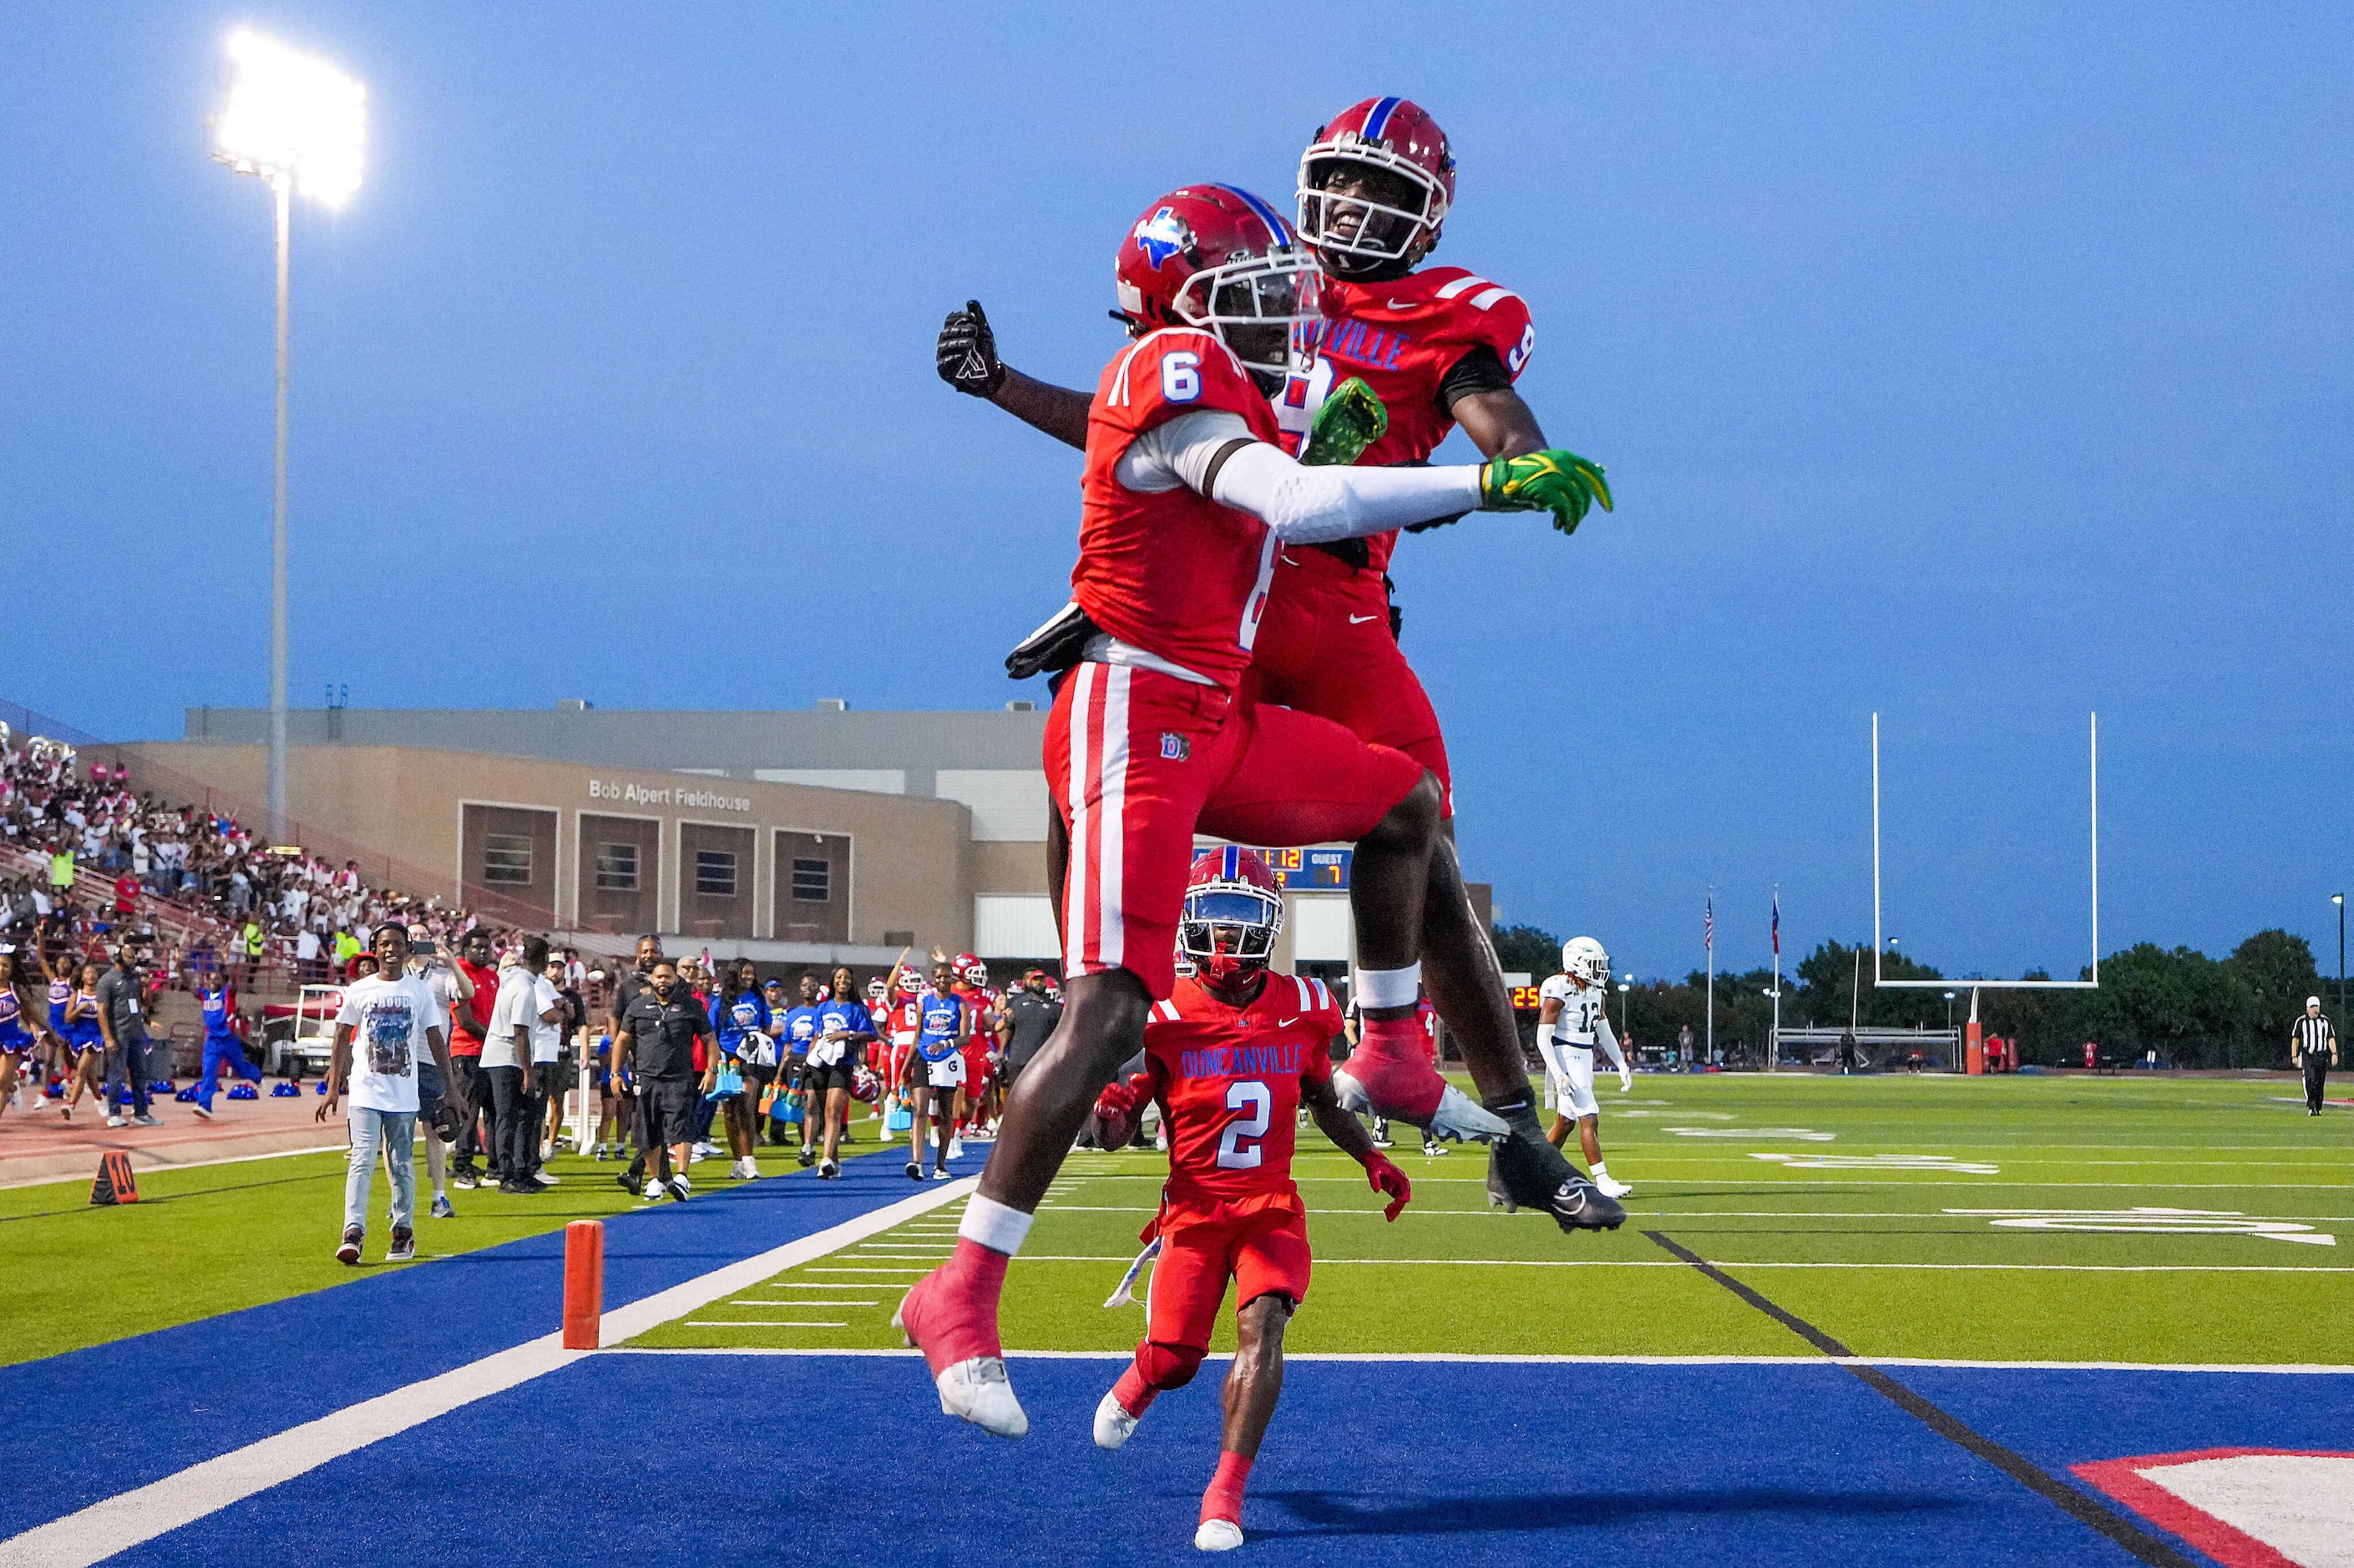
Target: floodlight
(292, 116)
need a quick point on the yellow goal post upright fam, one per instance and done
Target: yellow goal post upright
(1974, 1052)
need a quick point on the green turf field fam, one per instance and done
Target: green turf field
(1933, 1216)
(214, 1238)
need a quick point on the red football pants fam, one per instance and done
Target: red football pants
(1138, 761)
(1262, 1252)
(1325, 647)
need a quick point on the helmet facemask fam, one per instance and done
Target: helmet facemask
(1391, 215)
(1265, 309)
(1228, 930)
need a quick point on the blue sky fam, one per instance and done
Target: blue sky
(1980, 366)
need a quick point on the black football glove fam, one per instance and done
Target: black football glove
(968, 353)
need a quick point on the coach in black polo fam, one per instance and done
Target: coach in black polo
(658, 1031)
(2313, 1045)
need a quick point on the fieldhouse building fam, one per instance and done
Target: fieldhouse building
(821, 836)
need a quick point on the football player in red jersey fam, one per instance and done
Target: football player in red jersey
(1188, 496)
(1229, 1056)
(1440, 346)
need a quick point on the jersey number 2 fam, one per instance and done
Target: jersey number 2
(1180, 376)
(1254, 1098)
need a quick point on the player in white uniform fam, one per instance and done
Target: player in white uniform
(1572, 1018)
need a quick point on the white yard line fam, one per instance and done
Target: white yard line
(91, 1534)
(758, 1323)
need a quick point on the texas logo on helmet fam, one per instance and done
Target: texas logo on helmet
(1162, 236)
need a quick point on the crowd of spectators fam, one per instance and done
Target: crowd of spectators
(210, 894)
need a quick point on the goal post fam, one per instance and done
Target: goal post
(1974, 1052)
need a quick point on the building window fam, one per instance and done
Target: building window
(714, 872)
(506, 858)
(617, 868)
(812, 881)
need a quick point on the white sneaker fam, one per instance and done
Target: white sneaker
(1612, 1187)
(751, 1171)
(979, 1392)
(116, 1121)
(704, 1150)
(542, 1178)
(940, 1173)
(679, 1188)
(956, 1147)
(1218, 1535)
(1114, 1424)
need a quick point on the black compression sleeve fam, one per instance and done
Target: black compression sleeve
(1477, 371)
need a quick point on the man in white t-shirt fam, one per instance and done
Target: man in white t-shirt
(527, 1008)
(388, 1022)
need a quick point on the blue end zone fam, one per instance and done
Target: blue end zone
(847, 1461)
(118, 1416)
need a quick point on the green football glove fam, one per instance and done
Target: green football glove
(1557, 482)
(1351, 419)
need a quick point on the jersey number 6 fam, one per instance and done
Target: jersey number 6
(1255, 1099)
(1180, 376)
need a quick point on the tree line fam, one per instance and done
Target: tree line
(2193, 1010)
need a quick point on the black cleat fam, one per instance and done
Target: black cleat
(1525, 1171)
(630, 1181)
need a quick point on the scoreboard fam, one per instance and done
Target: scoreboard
(1309, 870)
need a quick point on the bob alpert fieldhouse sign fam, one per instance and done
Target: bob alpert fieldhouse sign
(667, 795)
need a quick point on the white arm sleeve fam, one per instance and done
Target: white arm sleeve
(1549, 1050)
(1178, 451)
(1316, 505)
(1609, 1043)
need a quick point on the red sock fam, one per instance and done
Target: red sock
(1135, 1394)
(1224, 1498)
(952, 1312)
(1394, 1038)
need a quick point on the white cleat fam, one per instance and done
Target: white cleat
(1456, 1116)
(1612, 1187)
(978, 1391)
(956, 1147)
(1114, 1424)
(1218, 1535)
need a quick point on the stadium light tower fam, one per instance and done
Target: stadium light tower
(296, 123)
(2339, 899)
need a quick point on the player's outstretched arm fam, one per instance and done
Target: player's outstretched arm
(967, 356)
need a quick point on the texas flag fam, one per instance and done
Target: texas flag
(1778, 922)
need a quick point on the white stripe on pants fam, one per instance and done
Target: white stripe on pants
(393, 1134)
(1094, 929)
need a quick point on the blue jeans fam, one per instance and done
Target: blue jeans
(223, 1051)
(393, 1135)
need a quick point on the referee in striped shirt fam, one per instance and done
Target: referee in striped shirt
(2306, 1045)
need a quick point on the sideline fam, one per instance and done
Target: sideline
(91, 1534)
(2277, 1368)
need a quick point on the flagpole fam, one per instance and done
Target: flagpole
(1709, 1050)
(1774, 1044)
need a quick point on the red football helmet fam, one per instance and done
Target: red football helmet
(911, 981)
(878, 989)
(1217, 257)
(972, 970)
(1234, 907)
(1374, 186)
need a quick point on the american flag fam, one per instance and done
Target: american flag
(1708, 926)
(1778, 922)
